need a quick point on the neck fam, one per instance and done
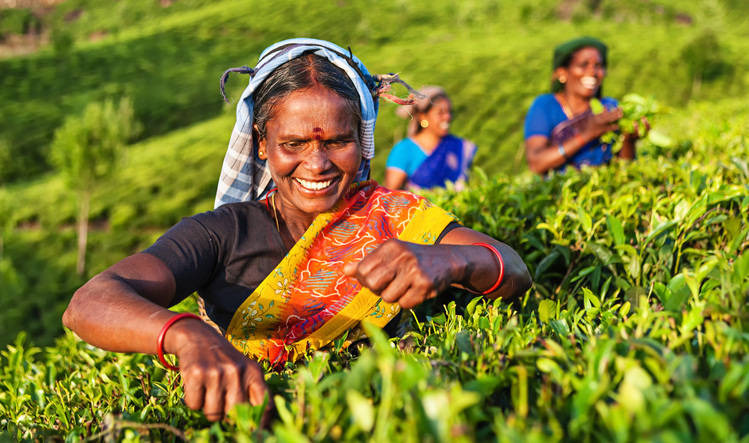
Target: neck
(427, 140)
(292, 223)
(577, 103)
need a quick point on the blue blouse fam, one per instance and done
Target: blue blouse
(546, 113)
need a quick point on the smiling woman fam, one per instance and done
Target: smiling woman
(301, 249)
(561, 128)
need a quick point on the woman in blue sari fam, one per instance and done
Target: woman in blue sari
(430, 156)
(561, 129)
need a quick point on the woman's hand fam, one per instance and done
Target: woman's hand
(410, 273)
(598, 124)
(406, 273)
(215, 375)
(123, 310)
(637, 133)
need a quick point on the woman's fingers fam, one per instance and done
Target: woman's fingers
(194, 390)
(403, 272)
(646, 126)
(217, 377)
(214, 395)
(254, 384)
(396, 289)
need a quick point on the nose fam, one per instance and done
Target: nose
(317, 160)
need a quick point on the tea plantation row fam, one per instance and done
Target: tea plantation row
(634, 330)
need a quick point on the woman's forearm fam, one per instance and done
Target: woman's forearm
(481, 270)
(544, 156)
(477, 267)
(123, 309)
(628, 149)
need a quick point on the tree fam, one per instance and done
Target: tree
(86, 149)
(702, 56)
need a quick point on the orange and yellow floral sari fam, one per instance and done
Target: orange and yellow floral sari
(307, 302)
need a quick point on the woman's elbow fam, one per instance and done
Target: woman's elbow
(521, 281)
(536, 166)
(70, 316)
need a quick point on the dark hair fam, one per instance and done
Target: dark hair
(302, 73)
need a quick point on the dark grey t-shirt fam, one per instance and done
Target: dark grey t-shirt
(224, 255)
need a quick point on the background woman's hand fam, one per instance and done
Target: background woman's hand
(215, 375)
(406, 273)
(639, 133)
(598, 124)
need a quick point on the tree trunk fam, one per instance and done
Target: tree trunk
(697, 82)
(83, 231)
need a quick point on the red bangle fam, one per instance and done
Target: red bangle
(501, 269)
(162, 334)
(580, 140)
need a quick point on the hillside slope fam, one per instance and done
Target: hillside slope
(493, 58)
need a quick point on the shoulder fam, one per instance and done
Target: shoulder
(543, 100)
(405, 145)
(223, 221)
(404, 155)
(230, 213)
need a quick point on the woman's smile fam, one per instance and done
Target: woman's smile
(314, 185)
(589, 82)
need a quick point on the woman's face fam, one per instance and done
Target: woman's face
(313, 152)
(585, 73)
(438, 117)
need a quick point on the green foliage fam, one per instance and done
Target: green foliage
(87, 148)
(635, 108)
(703, 55)
(634, 330)
(493, 58)
(17, 21)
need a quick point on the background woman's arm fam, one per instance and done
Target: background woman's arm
(543, 156)
(395, 178)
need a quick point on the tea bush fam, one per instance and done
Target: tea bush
(634, 330)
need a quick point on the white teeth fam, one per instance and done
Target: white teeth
(314, 186)
(445, 125)
(589, 82)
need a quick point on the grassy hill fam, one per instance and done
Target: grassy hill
(492, 57)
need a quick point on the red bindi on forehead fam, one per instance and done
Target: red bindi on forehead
(318, 133)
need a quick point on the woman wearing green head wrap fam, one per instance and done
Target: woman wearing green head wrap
(560, 127)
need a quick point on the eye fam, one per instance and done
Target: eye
(293, 145)
(338, 143)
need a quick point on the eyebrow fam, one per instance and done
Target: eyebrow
(341, 136)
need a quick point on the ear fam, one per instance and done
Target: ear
(261, 144)
(560, 72)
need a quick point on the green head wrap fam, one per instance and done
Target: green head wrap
(563, 53)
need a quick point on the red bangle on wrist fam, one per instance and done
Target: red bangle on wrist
(162, 334)
(580, 139)
(501, 269)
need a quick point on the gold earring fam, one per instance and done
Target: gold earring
(562, 79)
(260, 153)
(424, 123)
